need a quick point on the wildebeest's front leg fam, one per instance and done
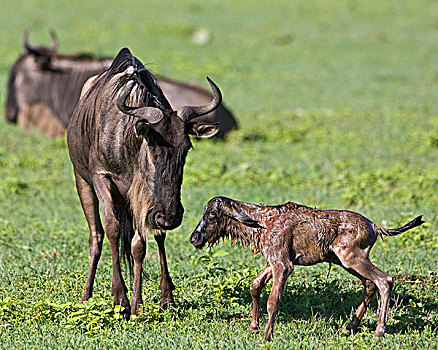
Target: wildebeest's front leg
(102, 187)
(90, 205)
(138, 250)
(256, 288)
(166, 284)
(281, 272)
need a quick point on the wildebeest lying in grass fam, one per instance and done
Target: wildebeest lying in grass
(44, 87)
(293, 234)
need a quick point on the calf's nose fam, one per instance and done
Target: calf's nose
(197, 239)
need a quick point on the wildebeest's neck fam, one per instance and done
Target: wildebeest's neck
(239, 232)
(268, 218)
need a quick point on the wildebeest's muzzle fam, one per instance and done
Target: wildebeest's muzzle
(198, 239)
(166, 219)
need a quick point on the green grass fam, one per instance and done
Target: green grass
(337, 107)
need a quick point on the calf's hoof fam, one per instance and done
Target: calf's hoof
(253, 329)
(268, 336)
(126, 316)
(380, 332)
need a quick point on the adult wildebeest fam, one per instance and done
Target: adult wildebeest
(44, 87)
(293, 234)
(128, 149)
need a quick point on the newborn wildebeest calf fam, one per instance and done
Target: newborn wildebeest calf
(293, 234)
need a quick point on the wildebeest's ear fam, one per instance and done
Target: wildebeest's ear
(43, 61)
(204, 130)
(241, 217)
(246, 220)
(141, 128)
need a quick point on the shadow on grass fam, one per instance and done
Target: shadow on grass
(304, 302)
(407, 311)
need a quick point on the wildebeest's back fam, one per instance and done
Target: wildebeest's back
(56, 86)
(310, 233)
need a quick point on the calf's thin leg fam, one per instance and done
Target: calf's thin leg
(384, 283)
(102, 187)
(369, 291)
(280, 275)
(90, 206)
(138, 250)
(166, 284)
(359, 262)
(256, 288)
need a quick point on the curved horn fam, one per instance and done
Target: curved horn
(39, 49)
(54, 46)
(189, 112)
(151, 114)
(25, 41)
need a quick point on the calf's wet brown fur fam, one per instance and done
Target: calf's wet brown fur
(293, 234)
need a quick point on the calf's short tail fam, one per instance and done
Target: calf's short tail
(396, 231)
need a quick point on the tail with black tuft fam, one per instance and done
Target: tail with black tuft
(127, 232)
(396, 231)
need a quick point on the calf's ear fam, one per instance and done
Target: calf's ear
(246, 220)
(243, 218)
(203, 130)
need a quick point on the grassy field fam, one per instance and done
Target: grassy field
(337, 104)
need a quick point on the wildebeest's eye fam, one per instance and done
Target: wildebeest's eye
(211, 216)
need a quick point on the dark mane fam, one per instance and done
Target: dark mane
(237, 233)
(123, 60)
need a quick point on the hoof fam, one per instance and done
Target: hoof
(166, 302)
(253, 329)
(136, 306)
(126, 316)
(354, 324)
(268, 336)
(350, 331)
(379, 333)
(126, 313)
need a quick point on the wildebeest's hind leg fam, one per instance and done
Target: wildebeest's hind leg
(138, 250)
(256, 288)
(358, 261)
(90, 205)
(102, 187)
(166, 284)
(369, 291)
